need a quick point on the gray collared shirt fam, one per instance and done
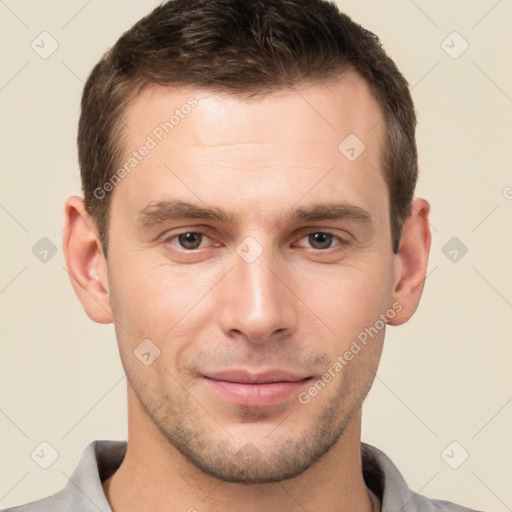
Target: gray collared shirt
(84, 491)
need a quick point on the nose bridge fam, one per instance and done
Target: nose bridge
(256, 303)
(260, 285)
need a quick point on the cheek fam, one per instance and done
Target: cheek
(349, 299)
(157, 301)
(158, 304)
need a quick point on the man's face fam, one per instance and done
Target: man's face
(252, 252)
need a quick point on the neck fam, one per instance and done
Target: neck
(155, 477)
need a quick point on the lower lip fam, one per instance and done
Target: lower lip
(256, 395)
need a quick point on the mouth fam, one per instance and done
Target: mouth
(262, 389)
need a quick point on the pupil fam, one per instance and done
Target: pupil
(190, 240)
(320, 240)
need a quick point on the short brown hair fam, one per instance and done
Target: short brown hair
(241, 47)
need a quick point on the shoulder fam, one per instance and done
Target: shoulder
(421, 503)
(56, 503)
(83, 491)
(386, 481)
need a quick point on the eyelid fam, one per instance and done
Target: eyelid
(341, 235)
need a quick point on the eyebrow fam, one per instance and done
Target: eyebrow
(328, 211)
(159, 212)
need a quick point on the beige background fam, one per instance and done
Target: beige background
(445, 376)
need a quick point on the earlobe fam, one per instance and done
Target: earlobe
(86, 263)
(411, 261)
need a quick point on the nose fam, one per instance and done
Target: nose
(256, 304)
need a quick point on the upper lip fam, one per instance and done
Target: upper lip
(248, 377)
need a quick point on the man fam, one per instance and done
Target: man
(248, 225)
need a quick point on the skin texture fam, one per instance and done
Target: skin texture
(295, 307)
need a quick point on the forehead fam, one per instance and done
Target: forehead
(330, 108)
(201, 142)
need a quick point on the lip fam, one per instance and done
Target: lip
(250, 389)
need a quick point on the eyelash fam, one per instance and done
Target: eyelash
(342, 242)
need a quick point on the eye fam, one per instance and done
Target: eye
(188, 240)
(191, 240)
(321, 240)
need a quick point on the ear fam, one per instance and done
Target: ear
(86, 263)
(411, 262)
